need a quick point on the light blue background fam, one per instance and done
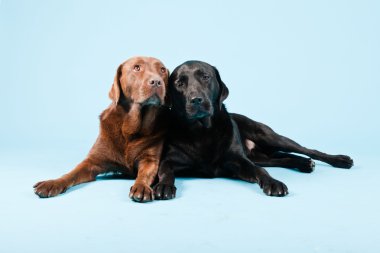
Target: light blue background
(309, 69)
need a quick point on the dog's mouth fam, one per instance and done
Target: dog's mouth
(199, 115)
(201, 118)
(198, 111)
(154, 100)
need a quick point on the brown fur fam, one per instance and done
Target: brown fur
(131, 134)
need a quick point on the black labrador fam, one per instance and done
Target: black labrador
(204, 140)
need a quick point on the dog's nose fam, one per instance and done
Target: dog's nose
(196, 101)
(155, 82)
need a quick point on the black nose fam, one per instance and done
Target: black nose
(155, 82)
(196, 101)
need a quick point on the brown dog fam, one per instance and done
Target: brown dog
(131, 136)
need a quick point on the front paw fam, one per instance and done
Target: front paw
(273, 187)
(164, 191)
(342, 161)
(141, 193)
(50, 188)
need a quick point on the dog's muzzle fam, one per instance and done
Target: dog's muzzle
(198, 108)
(153, 100)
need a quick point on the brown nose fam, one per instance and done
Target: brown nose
(155, 82)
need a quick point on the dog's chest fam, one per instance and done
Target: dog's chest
(139, 148)
(205, 150)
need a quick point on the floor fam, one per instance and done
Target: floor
(330, 210)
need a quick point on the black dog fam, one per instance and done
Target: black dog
(203, 140)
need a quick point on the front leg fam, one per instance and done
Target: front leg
(86, 171)
(141, 191)
(165, 188)
(252, 173)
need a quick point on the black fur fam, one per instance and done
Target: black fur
(272, 150)
(203, 140)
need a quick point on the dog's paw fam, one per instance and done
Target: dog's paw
(308, 166)
(342, 161)
(273, 187)
(141, 193)
(50, 188)
(164, 191)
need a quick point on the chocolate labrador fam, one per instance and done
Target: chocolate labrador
(131, 134)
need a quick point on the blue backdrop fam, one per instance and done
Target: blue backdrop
(308, 69)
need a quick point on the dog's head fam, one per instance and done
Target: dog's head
(197, 91)
(141, 80)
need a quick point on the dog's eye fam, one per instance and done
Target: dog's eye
(179, 83)
(136, 68)
(205, 77)
(163, 70)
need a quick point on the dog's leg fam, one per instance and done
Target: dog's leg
(165, 188)
(86, 171)
(266, 138)
(285, 160)
(252, 173)
(282, 143)
(141, 191)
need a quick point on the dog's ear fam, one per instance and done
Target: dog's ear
(115, 91)
(223, 90)
(168, 101)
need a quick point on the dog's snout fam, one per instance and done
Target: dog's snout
(155, 82)
(196, 100)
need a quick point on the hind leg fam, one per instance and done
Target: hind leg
(270, 141)
(285, 160)
(282, 143)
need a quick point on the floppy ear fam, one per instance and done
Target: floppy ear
(168, 101)
(223, 90)
(114, 93)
